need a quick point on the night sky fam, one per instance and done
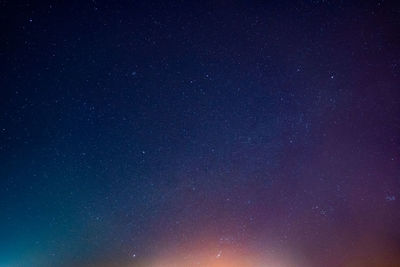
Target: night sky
(200, 133)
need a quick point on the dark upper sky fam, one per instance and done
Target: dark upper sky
(208, 133)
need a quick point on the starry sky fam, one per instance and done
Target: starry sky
(200, 133)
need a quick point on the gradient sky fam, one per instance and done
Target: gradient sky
(200, 133)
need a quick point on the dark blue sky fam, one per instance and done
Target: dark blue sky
(132, 130)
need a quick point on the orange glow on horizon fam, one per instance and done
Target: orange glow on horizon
(217, 257)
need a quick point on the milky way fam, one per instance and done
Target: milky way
(216, 133)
